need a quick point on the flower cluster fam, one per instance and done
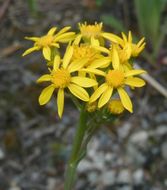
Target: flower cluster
(96, 67)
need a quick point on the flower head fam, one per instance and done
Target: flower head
(93, 34)
(85, 51)
(136, 49)
(63, 76)
(88, 30)
(115, 107)
(49, 40)
(116, 79)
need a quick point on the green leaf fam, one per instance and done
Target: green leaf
(113, 22)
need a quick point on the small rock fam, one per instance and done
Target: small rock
(124, 130)
(134, 155)
(125, 188)
(124, 177)
(2, 154)
(84, 165)
(139, 138)
(161, 130)
(164, 150)
(93, 177)
(161, 117)
(51, 183)
(108, 178)
(138, 177)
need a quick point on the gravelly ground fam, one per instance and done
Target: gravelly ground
(35, 144)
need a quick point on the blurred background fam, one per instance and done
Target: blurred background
(130, 154)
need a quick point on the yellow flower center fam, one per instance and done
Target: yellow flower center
(91, 30)
(91, 107)
(115, 78)
(115, 107)
(61, 78)
(124, 53)
(85, 51)
(45, 41)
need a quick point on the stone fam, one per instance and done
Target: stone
(139, 138)
(138, 177)
(164, 150)
(108, 178)
(2, 154)
(124, 176)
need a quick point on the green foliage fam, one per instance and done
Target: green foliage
(149, 14)
(33, 7)
(99, 2)
(113, 21)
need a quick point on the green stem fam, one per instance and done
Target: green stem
(73, 162)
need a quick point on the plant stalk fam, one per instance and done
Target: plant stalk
(75, 154)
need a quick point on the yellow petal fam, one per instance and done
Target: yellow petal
(32, 38)
(77, 65)
(140, 42)
(98, 92)
(63, 30)
(134, 81)
(77, 39)
(124, 37)
(130, 37)
(94, 42)
(55, 45)
(100, 63)
(105, 97)
(66, 37)
(102, 49)
(79, 92)
(112, 37)
(60, 101)
(47, 53)
(56, 62)
(46, 94)
(84, 82)
(44, 78)
(30, 50)
(94, 71)
(115, 58)
(52, 31)
(134, 72)
(125, 99)
(67, 56)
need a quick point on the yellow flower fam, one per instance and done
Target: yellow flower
(116, 80)
(134, 48)
(85, 51)
(94, 59)
(50, 40)
(63, 76)
(91, 107)
(115, 107)
(93, 33)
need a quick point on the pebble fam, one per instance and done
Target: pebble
(138, 177)
(134, 155)
(93, 177)
(51, 183)
(124, 176)
(84, 166)
(124, 130)
(139, 138)
(108, 177)
(164, 150)
(2, 154)
(161, 117)
(125, 188)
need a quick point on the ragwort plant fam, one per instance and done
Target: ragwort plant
(96, 69)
